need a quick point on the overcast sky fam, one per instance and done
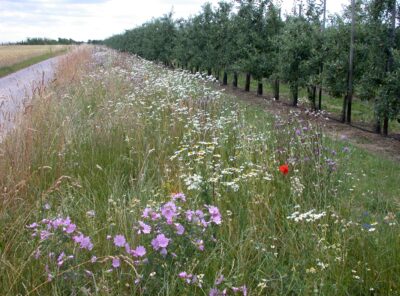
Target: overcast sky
(94, 19)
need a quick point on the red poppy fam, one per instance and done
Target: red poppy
(284, 169)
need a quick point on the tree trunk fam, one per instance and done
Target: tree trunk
(343, 119)
(351, 59)
(378, 126)
(235, 79)
(225, 79)
(276, 89)
(313, 96)
(320, 98)
(260, 88)
(247, 86)
(390, 60)
(197, 69)
(321, 70)
(295, 93)
(209, 71)
(385, 126)
(217, 75)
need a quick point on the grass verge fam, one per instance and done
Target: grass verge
(131, 179)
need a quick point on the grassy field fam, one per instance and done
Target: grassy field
(16, 57)
(132, 179)
(362, 112)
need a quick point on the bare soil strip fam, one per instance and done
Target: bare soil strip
(374, 143)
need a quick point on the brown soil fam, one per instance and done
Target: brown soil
(389, 147)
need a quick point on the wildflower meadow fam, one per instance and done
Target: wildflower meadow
(129, 178)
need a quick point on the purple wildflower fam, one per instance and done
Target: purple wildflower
(200, 244)
(242, 289)
(219, 280)
(128, 248)
(36, 254)
(163, 252)
(213, 292)
(119, 240)
(179, 229)
(140, 251)
(215, 215)
(155, 216)
(44, 234)
(70, 228)
(33, 225)
(189, 215)
(116, 262)
(146, 213)
(169, 211)
(83, 241)
(161, 241)
(144, 228)
(60, 259)
(178, 196)
(183, 275)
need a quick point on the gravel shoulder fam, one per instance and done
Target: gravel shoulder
(17, 88)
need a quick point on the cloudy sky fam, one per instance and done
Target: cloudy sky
(94, 19)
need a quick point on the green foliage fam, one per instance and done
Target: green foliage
(251, 37)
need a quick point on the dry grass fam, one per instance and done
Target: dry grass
(14, 54)
(18, 146)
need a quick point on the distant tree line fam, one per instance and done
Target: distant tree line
(353, 52)
(95, 42)
(47, 41)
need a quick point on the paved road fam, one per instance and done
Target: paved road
(16, 90)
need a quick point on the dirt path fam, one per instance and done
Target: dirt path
(388, 147)
(16, 89)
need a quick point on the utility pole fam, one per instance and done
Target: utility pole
(351, 61)
(322, 62)
(301, 8)
(390, 61)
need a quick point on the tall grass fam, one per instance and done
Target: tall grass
(118, 134)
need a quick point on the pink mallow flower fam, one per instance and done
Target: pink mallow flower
(214, 292)
(116, 262)
(146, 212)
(169, 211)
(140, 251)
(70, 228)
(161, 241)
(214, 214)
(242, 289)
(150, 213)
(200, 244)
(179, 229)
(189, 215)
(83, 241)
(119, 240)
(178, 196)
(144, 228)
